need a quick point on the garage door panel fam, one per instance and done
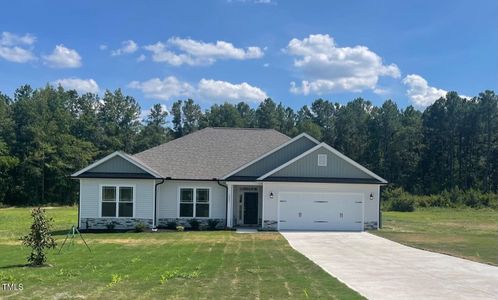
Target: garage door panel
(320, 211)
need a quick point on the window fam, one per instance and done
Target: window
(322, 160)
(194, 203)
(117, 201)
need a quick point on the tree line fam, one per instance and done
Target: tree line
(48, 133)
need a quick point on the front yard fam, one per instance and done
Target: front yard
(467, 233)
(171, 265)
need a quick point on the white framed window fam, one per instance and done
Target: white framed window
(322, 160)
(117, 201)
(194, 202)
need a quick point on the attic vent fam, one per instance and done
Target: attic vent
(322, 160)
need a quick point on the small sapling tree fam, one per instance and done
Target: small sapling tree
(39, 239)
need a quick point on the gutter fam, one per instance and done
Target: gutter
(226, 199)
(155, 203)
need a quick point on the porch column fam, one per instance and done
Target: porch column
(230, 206)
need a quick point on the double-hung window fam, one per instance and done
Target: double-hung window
(117, 201)
(194, 202)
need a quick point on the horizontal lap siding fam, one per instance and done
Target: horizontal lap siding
(168, 198)
(90, 196)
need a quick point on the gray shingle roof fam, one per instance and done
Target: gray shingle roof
(211, 152)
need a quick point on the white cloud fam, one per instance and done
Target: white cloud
(206, 89)
(164, 89)
(419, 91)
(80, 85)
(141, 58)
(103, 47)
(127, 47)
(12, 47)
(216, 90)
(178, 51)
(16, 54)
(63, 57)
(328, 68)
(266, 65)
(11, 39)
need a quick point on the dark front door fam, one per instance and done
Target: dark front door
(250, 208)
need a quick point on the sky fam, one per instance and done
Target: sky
(219, 51)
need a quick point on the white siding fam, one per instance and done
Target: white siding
(270, 206)
(90, 196)
(168, 198)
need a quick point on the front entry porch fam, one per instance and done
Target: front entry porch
(245, 205)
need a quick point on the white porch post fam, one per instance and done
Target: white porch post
(230, 206)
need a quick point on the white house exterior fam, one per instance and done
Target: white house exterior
(238, 177)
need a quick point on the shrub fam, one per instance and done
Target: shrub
(403, 204)
(111, 225)
(140, 227)
(171, 225)
(39, 239)
(398, 200)
(194, 224)
(212, 223)
(180, 228)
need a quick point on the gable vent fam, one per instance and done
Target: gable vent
(322, 160)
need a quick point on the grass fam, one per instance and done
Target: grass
(467, 233)
(166, 265)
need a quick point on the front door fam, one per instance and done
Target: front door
(250, 208)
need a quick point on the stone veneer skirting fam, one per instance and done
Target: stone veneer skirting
(270, 225)
(370, 225)
(203, 223)
(120, 223)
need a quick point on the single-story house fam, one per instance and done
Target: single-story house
(237, 176)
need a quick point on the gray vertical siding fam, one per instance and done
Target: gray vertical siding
(307, 166)
(277, 158)
(117, 165)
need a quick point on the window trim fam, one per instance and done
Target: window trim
(117, 186)
(194, 202)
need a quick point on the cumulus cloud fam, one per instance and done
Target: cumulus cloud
(419, 91)
(80, 85)
(217, 90)
(127, 47)
(16, 48)
(329, 68)
(206, 89)
(141, 58)
(178, 51)
(165, 89)
(63, 57)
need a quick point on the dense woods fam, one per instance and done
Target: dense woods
(48, 133)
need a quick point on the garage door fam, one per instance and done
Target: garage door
(320, 211)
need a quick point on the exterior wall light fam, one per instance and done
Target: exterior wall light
(271, 195)
(371, 196)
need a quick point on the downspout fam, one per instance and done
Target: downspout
(155, 202)
(226, 200)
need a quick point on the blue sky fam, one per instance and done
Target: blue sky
(216, 51)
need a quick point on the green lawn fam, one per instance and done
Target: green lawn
(166, 265)
(467, 233)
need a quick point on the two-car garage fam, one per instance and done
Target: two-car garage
(321, 206)
(320, 211)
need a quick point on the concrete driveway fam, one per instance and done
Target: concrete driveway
(381, 269)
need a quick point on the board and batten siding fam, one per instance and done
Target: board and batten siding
(117, 165)
(168, 201)
(277, 158)
(270, 205)
(90, 197)
(307, 166)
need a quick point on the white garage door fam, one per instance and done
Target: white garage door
(320, 211)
